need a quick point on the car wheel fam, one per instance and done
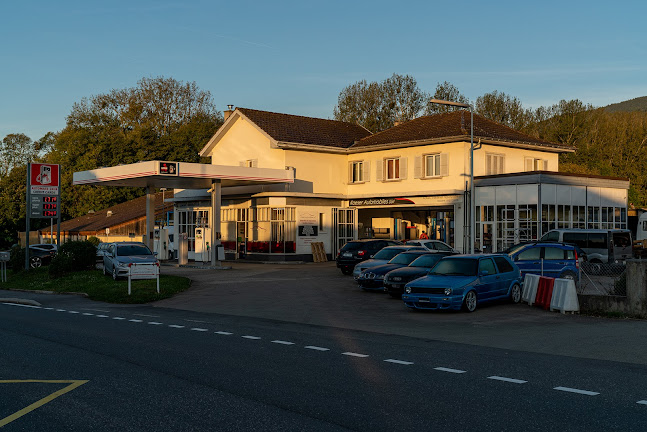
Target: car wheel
(515, 293)
(469, 302)
(346, 270)
(568, 275)
(35, 262)
(114, 273)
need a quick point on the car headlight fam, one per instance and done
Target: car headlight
(407, 290)
(122, 264)
(448, 291)
(379, 277)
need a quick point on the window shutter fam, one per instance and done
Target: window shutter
(545, 165)
(501, 165)
(488, 164)
(444, 164)
(529, 164)
(379, 167)
(367, 171)
(254, 163)
(403, 169)
(417, 167)
(350, 172)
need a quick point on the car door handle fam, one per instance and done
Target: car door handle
(536, 262)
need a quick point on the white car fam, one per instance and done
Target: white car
(432, 245)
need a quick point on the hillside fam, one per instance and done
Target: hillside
(637, 104)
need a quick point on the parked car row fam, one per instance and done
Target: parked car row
(430, 277)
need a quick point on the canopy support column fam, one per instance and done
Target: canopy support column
(150, 216)
(216, 198)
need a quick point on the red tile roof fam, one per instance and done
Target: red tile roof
(306, 130)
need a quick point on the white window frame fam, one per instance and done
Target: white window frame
(396, 167)
(356, 172)
(497, 161)
(537, 164)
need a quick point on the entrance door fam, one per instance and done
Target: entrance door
(488, 237)
(241, 239)
(344, 226)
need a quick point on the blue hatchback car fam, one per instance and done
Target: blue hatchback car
(463, 281)
(555, 260)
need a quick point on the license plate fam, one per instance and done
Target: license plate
(347, 254)
(424, 300)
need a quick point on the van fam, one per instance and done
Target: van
(611, 246)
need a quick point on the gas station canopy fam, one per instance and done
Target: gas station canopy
(180, 175)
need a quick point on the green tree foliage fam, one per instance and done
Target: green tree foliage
(160, 118)
(15, 150)
(504, 109)
(377, 106)
(448, 92)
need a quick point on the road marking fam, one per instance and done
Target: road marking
(73, 312)
(119, 318)
(155, 323)
(98, 310)
(101, 316)
(251, 337)
(352, 354)
(23, 305)
(223, 333)
(145, 315)
(87, 314)
(642, 402)
(402, 362)
(282, 342)
(316, 348)
(572, 390)
(135, 320)
(510, 380)
(199, 329)
(198, 321)
(176, 326)
(73, 384)
(47, 308)
(456, 371)
(57, 310)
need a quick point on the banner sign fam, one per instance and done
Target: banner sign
(380, 202)
(168, 168)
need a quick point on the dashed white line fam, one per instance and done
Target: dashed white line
(175, 326)
(282, 342)
(47, 308)
(73, 312)
(251, 337)
(57, 310)
(101, 316)
(223, 333)
(444, 369)
(352, 354)
(23, 305)
(505, 379)
(578, 391)
(155, 323)
(87, 314)
(199, 329)
(316, 348)
(119, 318)
(642, 402)
(135, 320)
(402, 362)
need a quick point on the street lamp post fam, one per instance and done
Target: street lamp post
(472, 198)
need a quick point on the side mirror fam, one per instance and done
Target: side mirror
(484, 273)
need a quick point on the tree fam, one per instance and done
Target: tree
(448, 92)
(504, 109)
(15, 150)
(377, 106)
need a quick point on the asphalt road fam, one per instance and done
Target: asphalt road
(278, 349)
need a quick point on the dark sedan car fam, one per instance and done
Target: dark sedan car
(395, 280)
(39, 257)
(356, 251)
(373, 278)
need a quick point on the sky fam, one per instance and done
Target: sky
(296, 56)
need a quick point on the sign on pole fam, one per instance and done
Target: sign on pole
(43, 198)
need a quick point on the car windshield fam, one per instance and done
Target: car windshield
(387, 254)
(455, 267)
(404, 258)
(426, 260)
(128, 250)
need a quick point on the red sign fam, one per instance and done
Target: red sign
(44, 179)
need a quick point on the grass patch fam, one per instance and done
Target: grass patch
(97, 286)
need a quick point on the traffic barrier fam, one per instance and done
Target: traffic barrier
(529, 292)
(564, 296)
(544, 292)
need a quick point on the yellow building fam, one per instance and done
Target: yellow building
(411, 178)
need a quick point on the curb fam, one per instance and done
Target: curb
(25, 302)
(46, 292)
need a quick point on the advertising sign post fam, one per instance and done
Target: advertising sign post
(43, 198)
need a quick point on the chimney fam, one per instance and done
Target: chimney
(229, 111)
(109, 213)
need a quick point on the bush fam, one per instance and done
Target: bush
(94, 240)
(17, 259)
(73, 256)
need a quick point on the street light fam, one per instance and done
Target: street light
(472, 199)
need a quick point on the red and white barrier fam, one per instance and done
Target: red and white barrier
(529, 292)
(550, 293)
(564, 296)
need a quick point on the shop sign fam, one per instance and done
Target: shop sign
(168, 168)
(308, 230)
(380, 202)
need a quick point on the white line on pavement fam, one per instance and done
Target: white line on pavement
(23, 305)
(73, 312)
(642, 402)
(135, 320)
(251, 337)
(199, 329)
(352, 354)
(176, 326)
(87, 314)
(282, 342)
(47, 308)
(402, 362)
(57, 310)
(456, 371)
(510, 380)
(578, 391)
(155, 323)
(316, 348)
(223, 333)
(101, 316)
(119, 318)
